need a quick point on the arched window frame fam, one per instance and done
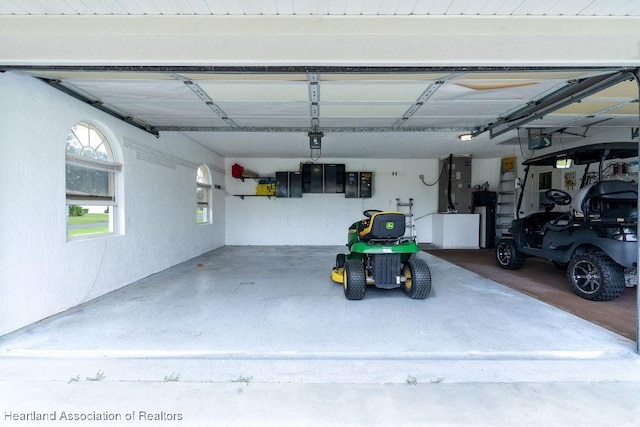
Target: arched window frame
(92, 172)
(203, 195)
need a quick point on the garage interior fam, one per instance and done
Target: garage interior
(391, 89)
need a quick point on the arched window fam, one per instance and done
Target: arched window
(91, 173)
(203, 195)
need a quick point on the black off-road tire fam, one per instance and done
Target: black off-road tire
(595, 276)
(417, 277)
(508, 256)
(354, 280)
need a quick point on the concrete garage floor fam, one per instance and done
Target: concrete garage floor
(260, 335)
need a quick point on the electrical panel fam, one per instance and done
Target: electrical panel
(358, 185)
(352, 185)
(366, 180)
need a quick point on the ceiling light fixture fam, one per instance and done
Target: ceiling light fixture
(466, 136)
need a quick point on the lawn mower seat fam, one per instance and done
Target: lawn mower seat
(611, 201)
(384, 225)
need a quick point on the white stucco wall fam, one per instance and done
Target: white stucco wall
(323, 219)
(41, 273)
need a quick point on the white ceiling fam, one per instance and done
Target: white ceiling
(364, 112)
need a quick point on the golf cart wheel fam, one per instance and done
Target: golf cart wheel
(595, 276)
(354, 281)
(508, 256)
(417, 278)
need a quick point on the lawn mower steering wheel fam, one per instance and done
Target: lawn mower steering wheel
(558, 197)
(369, 212)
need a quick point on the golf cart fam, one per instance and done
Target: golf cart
(381, 255)
(594, 237)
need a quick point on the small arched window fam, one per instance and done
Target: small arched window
(91, 173)
(203, 195)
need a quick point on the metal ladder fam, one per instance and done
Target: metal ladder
(409, 223)
(507, 197)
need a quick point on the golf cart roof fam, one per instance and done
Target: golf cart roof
(585, 154)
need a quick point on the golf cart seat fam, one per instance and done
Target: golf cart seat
(561, 222)
(384, 225)
(614, 201)
(580, 198)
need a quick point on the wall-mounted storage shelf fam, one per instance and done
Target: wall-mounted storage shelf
(242, 178)
(242, 196)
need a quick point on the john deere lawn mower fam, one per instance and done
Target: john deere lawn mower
(381, 255)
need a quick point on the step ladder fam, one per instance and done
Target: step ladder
(507, 196)
(409, 224)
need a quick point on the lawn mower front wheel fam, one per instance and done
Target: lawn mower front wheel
(354, 280)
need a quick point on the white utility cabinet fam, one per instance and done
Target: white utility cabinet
(456, 231)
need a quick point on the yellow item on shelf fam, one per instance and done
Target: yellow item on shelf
(266, 190)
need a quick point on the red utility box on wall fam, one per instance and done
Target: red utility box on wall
(237, 171)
